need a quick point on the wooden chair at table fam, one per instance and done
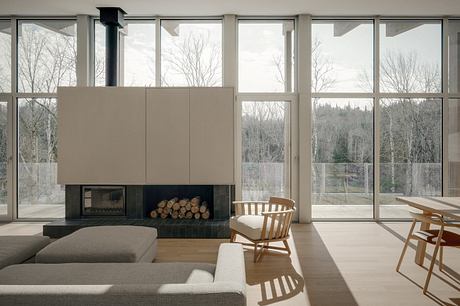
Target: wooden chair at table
(437, 237)
(263, 222)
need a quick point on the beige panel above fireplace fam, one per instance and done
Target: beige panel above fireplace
(211, 136)
(168, 138)
(101, 135)
(128, 136)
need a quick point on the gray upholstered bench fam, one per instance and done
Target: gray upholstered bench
(103, 244)
(17, 249)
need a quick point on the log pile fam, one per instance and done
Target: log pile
(181, 209)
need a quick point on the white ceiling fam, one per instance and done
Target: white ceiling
(241, 7)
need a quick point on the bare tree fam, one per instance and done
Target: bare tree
(322, 79)
(196, 58)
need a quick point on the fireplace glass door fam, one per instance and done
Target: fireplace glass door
(103, 200)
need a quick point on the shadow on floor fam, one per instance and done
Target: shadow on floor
(277, 284)
(323, 280)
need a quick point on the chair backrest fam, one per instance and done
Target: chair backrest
(432, 218)
(279, 219)
(277, 204)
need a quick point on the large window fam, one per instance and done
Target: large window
(265, 51)
(47, 56)
(342, 59)
(265, 132)
(191, 53)
(265, 67)
(410, 129)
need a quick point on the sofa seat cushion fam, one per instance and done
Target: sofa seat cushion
(102, 244)
(107, 273)
(17, 249)
(251, 225)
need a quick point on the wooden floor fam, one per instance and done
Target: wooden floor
(333, 263)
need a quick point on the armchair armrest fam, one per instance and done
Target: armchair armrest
(250, 207)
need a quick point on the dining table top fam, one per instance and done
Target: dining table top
(448, 207)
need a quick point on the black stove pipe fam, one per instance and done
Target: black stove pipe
(113, 19)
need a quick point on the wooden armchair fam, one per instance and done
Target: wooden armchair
(437, 237)
(262, 222)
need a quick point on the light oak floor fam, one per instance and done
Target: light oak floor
(333, 263)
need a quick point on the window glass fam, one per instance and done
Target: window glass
(342, 56)
(262, 54)
(5, 58)
(47, 55)
(99, 54)
(138, 53)
(39, 195)
(342, 154)
(454, 54)
(3, 158)
(191, 53)
(265, 131)
(454, 148)
(410, 56)
(410, 152)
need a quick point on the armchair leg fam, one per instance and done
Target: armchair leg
(440, 258)
(232, 236)
(255, 252)
(286, 244)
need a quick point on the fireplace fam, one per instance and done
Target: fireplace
(103, 200)
(95, 205)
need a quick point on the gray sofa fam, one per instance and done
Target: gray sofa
(128, 283)
(18, 249)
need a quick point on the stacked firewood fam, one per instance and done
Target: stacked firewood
(181, 209)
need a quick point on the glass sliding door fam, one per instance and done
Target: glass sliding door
(265, 135)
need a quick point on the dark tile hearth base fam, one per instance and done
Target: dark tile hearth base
(167, 228)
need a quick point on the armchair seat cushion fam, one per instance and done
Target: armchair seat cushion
(251, 226)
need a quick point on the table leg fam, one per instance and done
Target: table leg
(421, 246)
